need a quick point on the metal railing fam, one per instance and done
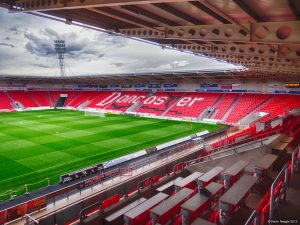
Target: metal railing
(253, 219)
(275, 200)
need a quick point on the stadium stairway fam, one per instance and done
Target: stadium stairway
(23, 98)
(50, 99)
(223, 106)
(231, 107)
(245, 119)
(193, 104)
(245, 105)
(10, 98)
(36, 102)
(279, 105)
(171, 106)
(214, 112)
(5, 103)
(159, 102)
(126, 99)
(85, 96)
(41, 97)
(72, 95)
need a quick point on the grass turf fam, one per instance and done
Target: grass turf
(39, 144)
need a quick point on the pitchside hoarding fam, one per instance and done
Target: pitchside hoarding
(98, 178)
(3, 216)
(18, 211)
(36, 204)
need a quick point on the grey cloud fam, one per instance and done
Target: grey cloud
(7, 45)
(111, 40)
(38, 46)
(40, 65)
(15, 30)
(87, 51)
(118, 64)
(51, 33)
(76, 48)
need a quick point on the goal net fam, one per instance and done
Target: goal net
(94, 113)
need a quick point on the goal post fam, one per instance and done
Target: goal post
(94, 113)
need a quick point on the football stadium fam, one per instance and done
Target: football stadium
(164, 146)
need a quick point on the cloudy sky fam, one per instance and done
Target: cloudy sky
(26, 48)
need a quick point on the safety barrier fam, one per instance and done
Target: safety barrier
(253, 219)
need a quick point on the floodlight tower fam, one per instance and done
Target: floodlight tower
(60, 48)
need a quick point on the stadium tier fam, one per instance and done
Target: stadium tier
(73, 146)
(122, 101)
(228, 107)
(23, 97)
(224, 104)
(193, 104)
(5, 102)
(41, 97)
(80, 98)
(279, 105)
(246, 104)
(201, 129)
(160, 102)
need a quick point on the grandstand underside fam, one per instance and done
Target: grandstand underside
(261, 35)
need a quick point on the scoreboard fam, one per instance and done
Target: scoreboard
(292, 85)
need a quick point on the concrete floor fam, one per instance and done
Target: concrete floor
(290, 210)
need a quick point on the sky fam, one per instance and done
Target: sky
(27, 48)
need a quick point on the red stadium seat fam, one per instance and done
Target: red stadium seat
(245, 105)
(193, 104)
(157, 104)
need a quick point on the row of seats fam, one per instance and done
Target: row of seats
(279, 104)
(127, 99)
(224, 105)
(179, 194)
(157, 104)
(173, 104)
(5, 102)
(246, 104)
(203, 208)
(193, 104)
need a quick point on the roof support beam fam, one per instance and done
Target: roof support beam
(248, 10)
(267, 32)
(293, 6)
(140, 11)
(177, 13)
(210, 12)
(116, 15)
(41, 5)
(167, 23)
(222, 14)
(282, 51)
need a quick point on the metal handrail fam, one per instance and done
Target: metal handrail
(253, 219)
(273, 200)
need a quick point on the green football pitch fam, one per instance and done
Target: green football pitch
(35, 145)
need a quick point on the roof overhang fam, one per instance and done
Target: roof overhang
(264, 35)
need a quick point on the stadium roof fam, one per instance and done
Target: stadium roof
(191, 75)
(262, 35)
